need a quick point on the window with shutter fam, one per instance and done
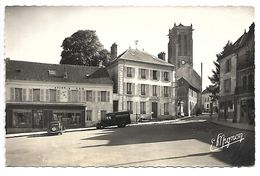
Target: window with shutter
(41, 95)
(18, 94)
(48, 95)
(128, 88)
(93, 96)
(139, 73)
(143, 89)
(58, 95)
(103, 96)
(154, 90)
(89, 94)
(166, 91)
(36, 95)
(147, 89)
(133, 72)
(129, 72)
(130, 106)
(99, 96)
(79, 96)
(143, 74)
(83, 95)
(24, 95)
(108, 96)
(52, 95)
(158, 75)
(133, 88)
(30, 95)
(12, 94)
(74, 95)
(151, 74)
(69, 95)
(142, 108)
(157, 91)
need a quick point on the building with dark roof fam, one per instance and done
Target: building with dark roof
(237, 72)
(180, 53)
(143, 84)
(36, 93)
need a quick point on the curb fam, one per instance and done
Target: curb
(94, 128)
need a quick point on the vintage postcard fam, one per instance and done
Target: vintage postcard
(130, 86)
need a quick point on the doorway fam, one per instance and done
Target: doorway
(154, 109)
(115, 106)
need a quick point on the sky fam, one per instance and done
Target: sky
(36, 33)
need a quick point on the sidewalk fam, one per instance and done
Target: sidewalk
(242, 126)
(93, 128)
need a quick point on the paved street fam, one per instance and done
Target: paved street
(181, 143)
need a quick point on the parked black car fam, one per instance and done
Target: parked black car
(121, 119)
(55, 127)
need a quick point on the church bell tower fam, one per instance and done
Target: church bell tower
(180, 46)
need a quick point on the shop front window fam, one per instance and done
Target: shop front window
(75, 118)
(22, 119)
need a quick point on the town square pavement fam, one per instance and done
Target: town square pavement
(177, 143)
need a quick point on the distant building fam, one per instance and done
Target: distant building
(143, 84)
(237, 72)
(180, 54)
(209, 105)
(36, 93)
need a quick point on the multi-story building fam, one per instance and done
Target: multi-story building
(180, 54)
(36, 93)
(209, 105)
(237, 79)
(228, 64)
(245, 97)
(143, 84)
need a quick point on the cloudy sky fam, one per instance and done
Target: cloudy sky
(36, 33)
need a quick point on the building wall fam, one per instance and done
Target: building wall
(63, 95)
(245, 96)
(136, 81)
(189, 97)
(229, 75)
(226, 100)
(193, 100)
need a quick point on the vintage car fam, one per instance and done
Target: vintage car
(55, 127)
(120, 119)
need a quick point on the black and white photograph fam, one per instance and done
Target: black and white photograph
(129, 86)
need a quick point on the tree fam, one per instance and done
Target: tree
(84, 48)
(214, 79)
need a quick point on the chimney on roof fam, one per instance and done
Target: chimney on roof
(161, 55)
(113, 51)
